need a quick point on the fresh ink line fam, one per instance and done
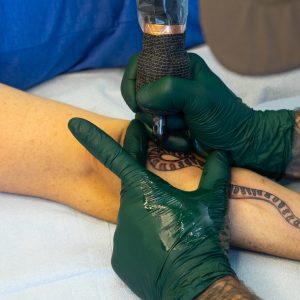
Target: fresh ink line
(164, 160)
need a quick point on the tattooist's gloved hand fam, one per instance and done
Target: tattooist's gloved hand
(215, 117)
(166, 245)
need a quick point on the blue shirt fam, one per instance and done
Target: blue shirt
(40, 39)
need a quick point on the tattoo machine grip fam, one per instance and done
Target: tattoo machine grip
(162, 55)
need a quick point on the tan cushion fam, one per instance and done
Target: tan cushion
(253, 37)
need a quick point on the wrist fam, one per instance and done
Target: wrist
(270, 143)
(281, 125)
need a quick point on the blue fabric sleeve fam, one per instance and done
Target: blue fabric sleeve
(41, 39)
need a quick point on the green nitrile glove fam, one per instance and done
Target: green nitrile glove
(217, 118)
(166, 245)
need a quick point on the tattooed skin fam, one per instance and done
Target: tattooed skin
(163, 160)
(227, 288)
(242, 192)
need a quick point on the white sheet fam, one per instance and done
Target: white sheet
(87, 88)
(52, 252)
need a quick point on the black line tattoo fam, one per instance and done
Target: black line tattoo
(163, 160)
(242, 192)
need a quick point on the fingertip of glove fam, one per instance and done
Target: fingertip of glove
(133, 60)
(128, 91)
(79, 127)
(74, 124)
(131, 68)
(198, 64)
(195, 58)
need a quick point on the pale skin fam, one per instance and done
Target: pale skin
(40, 157)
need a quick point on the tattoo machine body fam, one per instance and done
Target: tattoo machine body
(163, 23)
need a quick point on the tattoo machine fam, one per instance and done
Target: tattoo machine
(163, 23)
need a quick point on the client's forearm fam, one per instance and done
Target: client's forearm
(40, 157)
(293, 169)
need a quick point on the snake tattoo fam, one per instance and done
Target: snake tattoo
(164, 160)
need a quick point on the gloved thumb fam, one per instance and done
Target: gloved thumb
(104, 148)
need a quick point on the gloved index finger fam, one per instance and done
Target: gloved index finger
(128, 85)
(199, 66)
(104, 148)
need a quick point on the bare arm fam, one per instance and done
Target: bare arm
(40, 157)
